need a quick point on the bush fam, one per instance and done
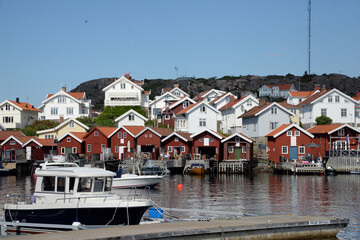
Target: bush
(323, 120)
(106, 119)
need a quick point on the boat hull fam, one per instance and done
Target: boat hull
(196, 171)
(136, 181)
(86, 216)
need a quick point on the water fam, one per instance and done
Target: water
(231, 196)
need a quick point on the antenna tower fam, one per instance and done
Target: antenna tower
(309, 37)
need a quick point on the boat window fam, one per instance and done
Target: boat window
(98, 184)
(60, 184)
(84, 185)
(71, 185)
(48, 184)
(108, 184)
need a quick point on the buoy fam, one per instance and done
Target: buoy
(179, 186)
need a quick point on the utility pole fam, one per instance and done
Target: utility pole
(309, 46)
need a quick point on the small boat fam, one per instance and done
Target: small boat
(330, 171)
(124, 179)
(66, 194)
(196, 169)
(356, 171)
(150, 168)
(4, 171)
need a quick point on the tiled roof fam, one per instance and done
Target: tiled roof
(276, 131)
(134, 129)
(185, 135)
(287, 105)
(77, 95)
(253, 111)
(167, 89)
(79, 135)
(185, 110)
(163, 131)
(106, 130)
(198, 97)
(305, 94)
(321, 129)
(357, 98)
(285, 86)
(313, 97)
(231, 103)
(45, 142)
(24, 139)
(25, 106)
(5, 134)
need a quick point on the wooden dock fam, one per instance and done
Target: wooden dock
(254, 227)
(233, 166)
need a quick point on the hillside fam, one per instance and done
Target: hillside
(234, 84)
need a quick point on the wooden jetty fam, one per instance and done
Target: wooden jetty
(301, 168)
(254, 227)
(233, 166)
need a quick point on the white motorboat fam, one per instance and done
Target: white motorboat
(66, 194)
(124, 179)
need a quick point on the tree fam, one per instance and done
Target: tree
(107, 117)
(323, 120)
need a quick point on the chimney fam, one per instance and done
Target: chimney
(63, 89)
(357, 94)
(317, 87)
(176, 85)
(262, 102)
(61, 119)
(323, 87)
(18, 100)
(127, 75)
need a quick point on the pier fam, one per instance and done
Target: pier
(254, 227)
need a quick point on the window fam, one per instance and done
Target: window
(61, 99)
(124, 135)
(201, 140)
(329, 98)
(96, 133)
(249, 102)
(288, 133)
(74, 150)
(301, 150)
(203, 109)
(182, 148)
(284, 150)
(7, 107)
(211, 139)
(48, 184)
(12, 142)
(169, 148)
(341, 132)
(323, 112)
(68, 139)
(202, 122)
(119, 134)
(146, 135)
(273, 125)
(243, 149)
(274, 110)
(237, 139)
(167, 117)
(69, 111)
(176, 139)
(343, 112)
(71, 125)
(103, 146)
(131, 117)
(116, 149)
(230, 149)
(337, 99)
(8, 119)
(185, 104)
(62, 150)
(54, 111)
(89, 148)
(122, 85)
(297, 133)
(150, 135)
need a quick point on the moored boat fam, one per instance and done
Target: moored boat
(65, 193)
(128, 180)
(196, 169)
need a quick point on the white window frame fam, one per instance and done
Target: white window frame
(131, 117)
(88, 148)
(185, 104)
(274, 110)
(12, 142)
(243, 149)
(167, 116)
(68, 139)
(322, 111)
(63, 150)
(182, 149)
(341, 132)
(202, 122)
(289, 133)
(71, 125)
(337, 98)
(301, 150)
(284, 148)
(96, 133)
(119, 135)
(330, 100)
(74, 150)
(69, 111)
(176, 139)
(116, 149)
(124, 135)
(203, 109)
(230, 149)
(343, 112)
(170, 148)
(297, 133)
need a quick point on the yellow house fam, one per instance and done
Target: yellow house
(295, 110)
(70, 125)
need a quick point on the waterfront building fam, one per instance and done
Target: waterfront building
(287, 142)
(177, 145)
(16, 114)
(39, 149)
(238, 147)
(13, 148)
(70, 125)
(130, 118)
(72, 142)
(97, 143)
(276, 90)
(63, 105)
(207, 144)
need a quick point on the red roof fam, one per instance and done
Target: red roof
(253, 111)
(5, 134)
(321, 129)
(134, 129)
(77, 95)
(45, 142)
(163, 131)
(305, 94)
(185, 110)
(313, 97)
(185, 135)
(231, 103)
(25, 106)
(285, 86)
(276, 131)
(79, 135)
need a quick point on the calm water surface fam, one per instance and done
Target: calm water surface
(229, 196)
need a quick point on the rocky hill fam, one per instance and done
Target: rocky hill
(234, 84)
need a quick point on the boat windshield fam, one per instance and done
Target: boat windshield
(96, 184)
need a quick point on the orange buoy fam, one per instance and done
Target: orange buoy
(179, 186)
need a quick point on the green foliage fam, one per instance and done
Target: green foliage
(323, 120)
(149, 123)
(38, 126)
(85, 120)
(106, 119)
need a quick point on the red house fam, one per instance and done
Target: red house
(168, 112)
(13, 148)
(4, 135)
(238, 147)
(335, 137)
(149, 140)
(97, 141)
(177, 144)
(287, 142)
(72, 142)
(38, 149)
(208, 144)
(123, 141)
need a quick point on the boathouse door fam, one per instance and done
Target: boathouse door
(293, 153)
(237, 153)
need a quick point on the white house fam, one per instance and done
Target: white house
(261, 120)
(131, 118)
(357, 109)
(176, 91)
(16, 114)
(196, 118)
(209, 95)
(65, 105)
(331, 103)
(222, 100)
(276, 90)
(126, 92)
(229, 113)
(296, 97)
(160, 102)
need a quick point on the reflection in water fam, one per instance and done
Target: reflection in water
(229, 196)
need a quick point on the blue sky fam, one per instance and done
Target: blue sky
(47, 44)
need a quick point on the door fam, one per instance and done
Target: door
(237, 153)
(293, 153)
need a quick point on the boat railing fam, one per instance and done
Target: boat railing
(20, 198)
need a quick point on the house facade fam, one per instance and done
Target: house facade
(70, 125)
(207, 145)
(39, 149)
(65, 105)
(177, 145)
(159, 103)
(276, 90)
(97, 143)
(287, 142)
(176, 91)
(209, 95)
(126, 92)
(72, 143)
(131, 118)
(296, 97)
(16, 114)
(238, 147)
(169, 112)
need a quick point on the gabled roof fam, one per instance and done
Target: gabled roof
(218, 135)
(205, 93)
(161, 132)
(131, 111)
(20, 139)
(180, 101)
(40, 142)
(78, 136)
(72, 96)
(322, 94)
(21, 105)
(62, 125)
(255, 111)
(285, 127)
(173, 89)
(132, 130)
(287, 105)
(192, 107)
(77, 95)
(184, 136)
(123, 78)
(5, 134)
(329, 128)
(106, 131)
(284, 86)
(158, 98)
(216, 100)
(236, 102)
(240, 135)
(303, 94)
